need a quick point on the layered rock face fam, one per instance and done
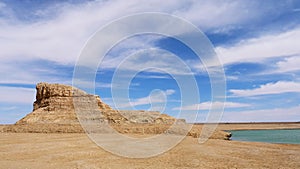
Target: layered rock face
(54, 104)
(54, 111)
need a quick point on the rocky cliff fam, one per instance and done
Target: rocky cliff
(54, 111)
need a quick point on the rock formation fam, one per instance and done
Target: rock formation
(54, 111)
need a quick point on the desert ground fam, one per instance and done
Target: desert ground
(76, 150)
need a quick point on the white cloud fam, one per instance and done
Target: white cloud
(32, 73)
(264, 47)
(61, 38)
(127, 49)
(153, 60)
(154, 76)
(232, 77)
(220, 14)
(265, 115)
(289, 64)
(154, 97)
(269, 88)
(157, 98)
(170, 92)
(208, 105)
(17, 95)
(110, 85)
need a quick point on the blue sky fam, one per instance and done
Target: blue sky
(257, 42)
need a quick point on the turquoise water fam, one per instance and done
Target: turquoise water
(290, 136)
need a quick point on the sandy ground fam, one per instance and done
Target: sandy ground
(37, 150)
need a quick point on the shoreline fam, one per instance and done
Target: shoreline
(259, 126)
(263, 129)
(235, 126)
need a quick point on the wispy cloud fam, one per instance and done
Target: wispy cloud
(269, 88)
(209, 105)
(34, 71)
(289, 64)
(261, 48)
(157, 98)
(296, 10)
(265, 115)
(169, 92)
(60, 39)
(153, 76)
(17, 95)
(156, 61)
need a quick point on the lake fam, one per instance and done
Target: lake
(290, 136)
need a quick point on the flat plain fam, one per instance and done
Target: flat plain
(76, 150)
